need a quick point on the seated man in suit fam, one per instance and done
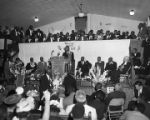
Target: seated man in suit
(118, 93)
(98, 90)
(142, 92)
(80, 97)
(99, 104)
(31, 66)
(125, 67)
(111, 67)
(83, 67)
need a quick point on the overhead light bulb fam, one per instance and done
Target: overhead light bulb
(132, 12)
(36, 19)
(81, 14)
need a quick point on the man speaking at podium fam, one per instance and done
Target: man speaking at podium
(69, 56)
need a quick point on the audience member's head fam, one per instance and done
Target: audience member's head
(100, 96)
(132, 33)
(80, 96)
(98, 58)
(41, 59)
(67, 48)
(118, 87)
(138, 85)
(126, 59)
(98, 86)
(82, 58)
(31, 59)
(132, 105)
(110, 59)
(78, 111)
(127, 33)
(31, 27)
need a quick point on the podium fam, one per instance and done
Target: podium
(59, 65)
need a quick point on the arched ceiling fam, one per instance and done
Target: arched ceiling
(21, 12)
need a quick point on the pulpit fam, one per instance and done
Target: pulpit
(59, 65)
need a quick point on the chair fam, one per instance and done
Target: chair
(115, 108)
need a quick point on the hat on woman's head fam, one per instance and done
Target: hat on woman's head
(80, 96)
(12, 99)
(25, 104)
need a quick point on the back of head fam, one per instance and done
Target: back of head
(118, 87)
(78, 111)
(31, 59)
(132, 105)
(41, 59)
(98, 86)
(80, 96)
(100, 96)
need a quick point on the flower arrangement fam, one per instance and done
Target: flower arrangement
(32, 93)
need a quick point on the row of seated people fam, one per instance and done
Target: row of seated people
(67, 100)
(19, 35)
(84, 67)
(100, 70)
(111, 69)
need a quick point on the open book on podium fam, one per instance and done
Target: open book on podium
(58, 64)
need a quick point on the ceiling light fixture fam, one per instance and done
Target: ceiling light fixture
(36, 19)
(132, 12)
(81, 13)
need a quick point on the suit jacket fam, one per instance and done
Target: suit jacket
(145, 95)
(136, 55)
(29, 67)
(14, 36)
(42, 67)
(96, 93)
(125, 68)
(101, 65)
(111, 66)
(136, 59)
(100, 108)
(115, 94)
(85, 67)
(44, 84)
